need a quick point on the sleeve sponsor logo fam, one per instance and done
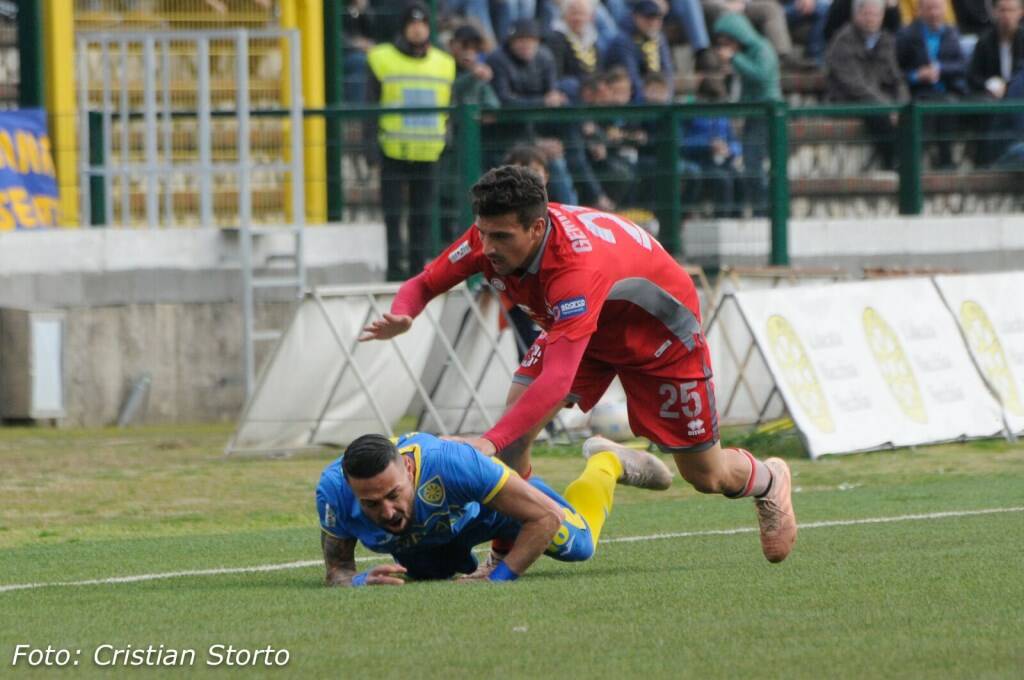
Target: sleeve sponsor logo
(459, 252)
(330, 519)
(567, 309)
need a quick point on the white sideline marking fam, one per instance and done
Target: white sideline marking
(262, 568)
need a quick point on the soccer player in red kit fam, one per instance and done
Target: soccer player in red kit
(611, 301)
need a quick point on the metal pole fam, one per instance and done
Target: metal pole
(298, 155)
(108, 132)
(668, 185)
(911, 201)
(94, 197)
(467, 146)
(205, 135)
(167, 159)
(245, 207)
(334, 91)
(778, 180)
(126, 212)
(149, 114)
(85, 132)
(30, 54)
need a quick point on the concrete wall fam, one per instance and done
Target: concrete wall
(163, 303)
(167, 302)
(979, 243)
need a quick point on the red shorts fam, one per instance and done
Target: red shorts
(672, 402)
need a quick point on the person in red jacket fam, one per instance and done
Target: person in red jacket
(611, 301)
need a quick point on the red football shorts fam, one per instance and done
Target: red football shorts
(671, 401)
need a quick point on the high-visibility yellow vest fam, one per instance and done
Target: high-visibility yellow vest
(408, 81)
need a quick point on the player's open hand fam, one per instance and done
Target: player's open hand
(386, 327)
(386, 575)
(482, 445)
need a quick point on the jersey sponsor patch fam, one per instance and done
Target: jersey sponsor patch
(432, 491)
(567, 309)
(330, 519)
(459, 252)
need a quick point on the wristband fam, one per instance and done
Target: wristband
(502, 573)
(360, 578)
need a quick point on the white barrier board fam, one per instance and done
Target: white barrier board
(869, 365)
(990, 311)
(309, 393)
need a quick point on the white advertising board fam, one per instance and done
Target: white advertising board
(990, 311)
(870, 365)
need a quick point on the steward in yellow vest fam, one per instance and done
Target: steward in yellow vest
(412, 75)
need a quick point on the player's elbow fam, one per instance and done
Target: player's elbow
(550, 522)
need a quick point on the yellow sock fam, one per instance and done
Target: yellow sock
(591, 493)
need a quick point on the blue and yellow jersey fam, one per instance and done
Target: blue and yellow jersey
(453, 483)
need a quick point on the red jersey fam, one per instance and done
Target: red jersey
(596, 274)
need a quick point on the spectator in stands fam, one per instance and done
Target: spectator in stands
(573, 42)
(472, 76)
(409, 72)
(1013, 157)
(688, 15)
(861, 67)
(357, 40)
(477, 12)
(809, 16)
(507, 13)
(713, 155)
(999, 54)
(769, 17)
(525, 75)
(841, 11)
(928, 51)
(594, 92)
(644, 50)
(609, 145)
(973, 17)
(472, 86)
(997, 58)
(753, 60)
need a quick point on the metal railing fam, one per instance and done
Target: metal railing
(473, 144)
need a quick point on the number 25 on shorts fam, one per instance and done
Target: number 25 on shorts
(682, 398)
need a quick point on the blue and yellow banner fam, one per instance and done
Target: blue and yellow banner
(28, 181)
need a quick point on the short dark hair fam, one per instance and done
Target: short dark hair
(510, 188)
(525, 155)
(615, 74)
(655, 78)
(712, 87)
(368, 456)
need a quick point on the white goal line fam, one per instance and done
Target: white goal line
(301, 564)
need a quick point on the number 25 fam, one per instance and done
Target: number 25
(691, 404)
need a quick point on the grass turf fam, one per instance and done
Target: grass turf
(923, 598)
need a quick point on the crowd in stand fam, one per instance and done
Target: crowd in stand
(592, 53)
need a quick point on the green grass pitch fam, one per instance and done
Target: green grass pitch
(920, 595)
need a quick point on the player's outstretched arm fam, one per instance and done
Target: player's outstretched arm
(540, 516)
(339, 556)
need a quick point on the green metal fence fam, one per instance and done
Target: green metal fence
(661, 188)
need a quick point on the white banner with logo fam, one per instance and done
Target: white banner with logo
(990, 311)
(870, 365)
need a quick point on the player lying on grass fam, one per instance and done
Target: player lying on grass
(428, 502)
(612, 302)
